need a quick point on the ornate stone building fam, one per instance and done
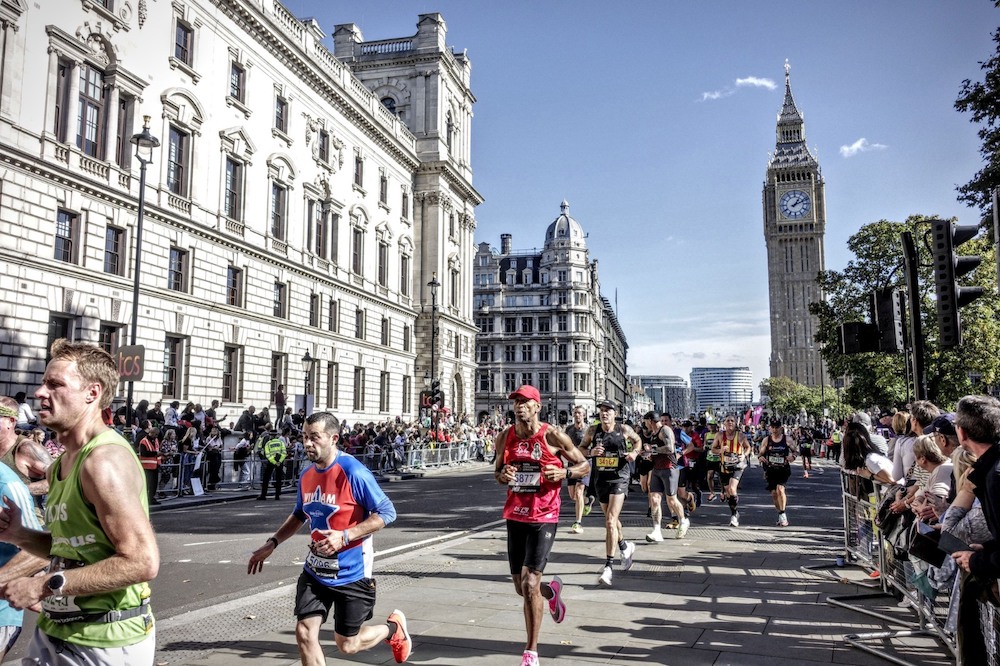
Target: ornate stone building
(299, 201)
(794, 229)
(543, 321)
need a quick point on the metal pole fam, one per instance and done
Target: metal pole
(434, 412)
(135, 281)
(916, 329)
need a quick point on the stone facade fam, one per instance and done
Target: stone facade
(288, 209)
(543, 321)
(794, 203)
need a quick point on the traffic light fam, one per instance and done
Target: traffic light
(887, 313)
(857, 337)
(948, 267)
(437, 398)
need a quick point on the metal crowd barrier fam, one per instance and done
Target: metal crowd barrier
(891, 577)
(245, 474)
(234, 473)
(429, 454)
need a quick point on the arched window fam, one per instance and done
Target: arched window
(390, 104)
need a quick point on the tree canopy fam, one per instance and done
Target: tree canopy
(881, 379)
(981, 99)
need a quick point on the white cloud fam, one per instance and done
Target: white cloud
(860, 146)
(717, 94)
(748, 82)
(756, 82)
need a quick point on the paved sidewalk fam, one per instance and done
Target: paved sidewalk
(720, 596)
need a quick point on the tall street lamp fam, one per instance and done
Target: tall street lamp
(144, 143)
(307, 363)
(434, 284)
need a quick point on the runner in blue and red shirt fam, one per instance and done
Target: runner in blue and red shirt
(343, 504)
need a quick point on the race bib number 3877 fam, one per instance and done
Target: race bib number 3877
(527, 477)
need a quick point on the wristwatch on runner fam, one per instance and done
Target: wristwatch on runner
(55, 584)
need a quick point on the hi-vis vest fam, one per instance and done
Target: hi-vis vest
(274, 451)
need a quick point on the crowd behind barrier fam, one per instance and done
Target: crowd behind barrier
(239, 473)
(892, 555)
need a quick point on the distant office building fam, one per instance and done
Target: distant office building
(794, 201)
(723, 390)
(669, 393)
(543, 321)
(639, 401)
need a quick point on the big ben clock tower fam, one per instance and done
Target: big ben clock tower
(794, 228)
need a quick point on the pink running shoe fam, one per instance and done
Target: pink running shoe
(556, 606)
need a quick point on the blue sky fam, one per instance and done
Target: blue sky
(655, 120)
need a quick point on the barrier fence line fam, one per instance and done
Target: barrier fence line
(868, 547)
(233, 473)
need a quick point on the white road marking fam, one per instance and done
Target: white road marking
(207, 543)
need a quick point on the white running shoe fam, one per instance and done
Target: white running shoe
(655, 536)
(577, 528)
(782, 520)
(605, 579)
(627, 554)
(529, 658)
(683, 529)
(735, 520)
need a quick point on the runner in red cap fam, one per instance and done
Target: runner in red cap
(529, 464)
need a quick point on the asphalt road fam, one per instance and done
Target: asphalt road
(204, 549)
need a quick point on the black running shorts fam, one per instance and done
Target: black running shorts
(353, 604)
(529, 545)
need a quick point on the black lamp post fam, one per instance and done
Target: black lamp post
(307, 363)
(144, 143)
(434, 284)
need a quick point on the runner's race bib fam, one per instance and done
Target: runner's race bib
(607, 463)
(325, 567)
(527, 477)
(732, 459)
(712, 457)
(62, 606)
(776, 460)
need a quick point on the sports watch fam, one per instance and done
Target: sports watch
(55, 583)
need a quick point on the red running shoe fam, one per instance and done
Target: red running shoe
(400, 641)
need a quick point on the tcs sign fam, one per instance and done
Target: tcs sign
(131, 362)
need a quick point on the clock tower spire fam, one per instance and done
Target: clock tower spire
(794, 230)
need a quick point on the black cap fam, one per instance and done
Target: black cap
(944, 424)
(607, 404)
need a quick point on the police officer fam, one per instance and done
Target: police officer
(274, 450)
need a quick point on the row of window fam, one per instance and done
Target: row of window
(176, 365)
(581, 323)
(511, 380)
(179, 279)
(68, 237)
(580, 299)
(530, 353)
(102, 109)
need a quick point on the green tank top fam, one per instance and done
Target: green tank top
(77, 535)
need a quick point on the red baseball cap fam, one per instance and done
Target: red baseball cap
(527, 392)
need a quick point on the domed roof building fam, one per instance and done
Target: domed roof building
(565, 231)
(543, 321)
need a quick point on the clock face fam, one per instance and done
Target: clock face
(794, 204)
